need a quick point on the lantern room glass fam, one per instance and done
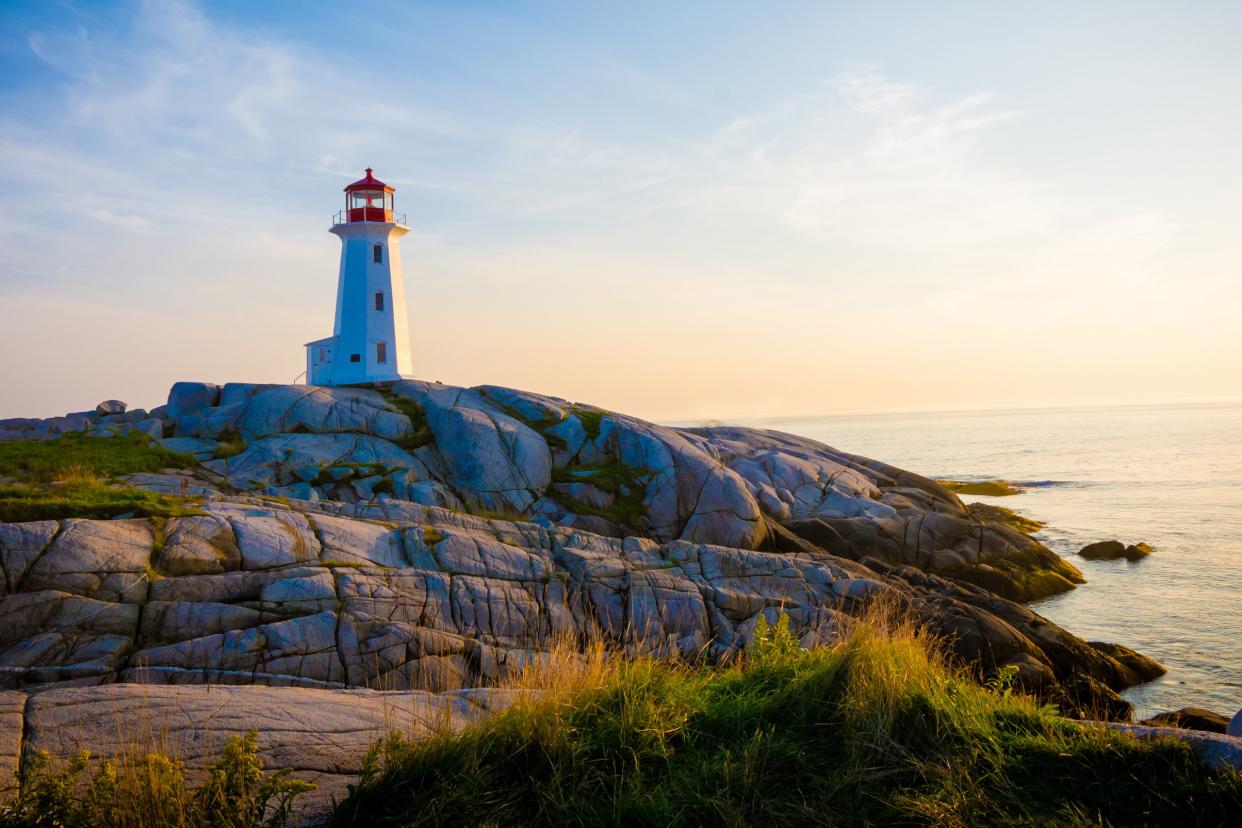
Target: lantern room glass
(377, 199)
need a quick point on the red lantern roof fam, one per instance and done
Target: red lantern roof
(369, 183)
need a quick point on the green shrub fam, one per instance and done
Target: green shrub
(150, 790)
(877, 730)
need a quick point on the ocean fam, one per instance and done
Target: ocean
(1170, 475)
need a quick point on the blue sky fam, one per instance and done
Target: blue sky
(678, 210)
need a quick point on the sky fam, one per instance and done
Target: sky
(678, 210)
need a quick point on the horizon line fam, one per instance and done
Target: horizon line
(997, 409)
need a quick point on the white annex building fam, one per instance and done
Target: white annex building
(370, 339)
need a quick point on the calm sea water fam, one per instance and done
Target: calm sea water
(1170, 475)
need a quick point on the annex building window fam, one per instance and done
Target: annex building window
(377, 253)
(381, 352)
(379, 301)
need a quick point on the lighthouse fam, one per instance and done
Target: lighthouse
(370, 339)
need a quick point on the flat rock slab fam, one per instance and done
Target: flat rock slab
(322, 735)
(12, 705)
(1215, 749)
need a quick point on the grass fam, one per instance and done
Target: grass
(149, 789)
(231, 445)
(626, 484)
(877, 730)
(590, 420)
(85, 499)
(507, 514)
(420, 432)
(30, 461)
(990, 488)
(67, 477)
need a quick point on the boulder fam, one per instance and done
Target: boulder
(493, 460)
(293, 408)
(110, 407)
(196, 448)
(239, 392)
(1103, 550)
(269, 538)
(284, 459)
(1235, 725)
(1190, 718)
(1111, 550)
(198, 546)
(191, 398)
(1132, 667)
(104, 559)
(20, 545)
(151, 426)
(358, 543)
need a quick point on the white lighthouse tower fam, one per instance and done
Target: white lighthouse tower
(370, 339)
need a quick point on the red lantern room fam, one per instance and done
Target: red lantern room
(368, 199)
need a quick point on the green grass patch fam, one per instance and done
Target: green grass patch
(31, 461)
(878, 730)
(420, 434)
(352, 471)
(511, 515)
(627, 485)
(590, 420)
(990, 488)
(86, 499)
(231, 445)
(541, 425)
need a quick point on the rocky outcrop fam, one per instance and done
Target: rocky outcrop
(393, 595)
(423, 536)
(502, 452)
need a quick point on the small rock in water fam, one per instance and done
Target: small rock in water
(1103, 550)
(110, 407)
(1191, 718)
(1111, 550)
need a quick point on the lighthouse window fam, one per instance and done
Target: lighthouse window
(381, 352)
(379, 301)
(355, 357)
(377, 253)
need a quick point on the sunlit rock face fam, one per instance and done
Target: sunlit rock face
(423, 536)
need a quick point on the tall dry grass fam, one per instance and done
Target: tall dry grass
(876, 728)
